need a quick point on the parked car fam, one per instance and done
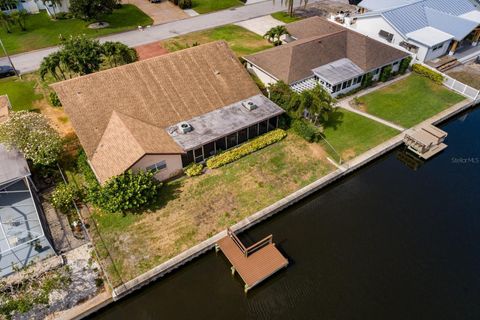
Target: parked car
(6, 71)
(155, 1)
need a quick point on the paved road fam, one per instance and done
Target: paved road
(30, 61)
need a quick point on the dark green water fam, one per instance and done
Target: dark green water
(385, 243)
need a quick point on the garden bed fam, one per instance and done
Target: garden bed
(409, 101)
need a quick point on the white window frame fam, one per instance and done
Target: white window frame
(158, 166)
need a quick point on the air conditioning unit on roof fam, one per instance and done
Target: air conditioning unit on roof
(184, 127)
(249, 105)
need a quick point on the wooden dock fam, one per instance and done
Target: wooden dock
(255, 263)
(426, 141)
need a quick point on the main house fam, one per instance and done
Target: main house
(34, 6)
(325, 53)
(23, 239)
(166, 112)
(427, 28)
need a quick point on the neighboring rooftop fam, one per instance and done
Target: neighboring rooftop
(312, 27)
(339, 71)
(121, 114)
(296, 60)
(221, 122)
(455, 17)
(13, 165)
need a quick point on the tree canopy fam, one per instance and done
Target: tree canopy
(91, 9)
(31, 134)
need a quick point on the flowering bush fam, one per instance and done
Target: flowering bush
(64, 196)
(247, 148)
(31, 134)
(427, 72)
(195, 169)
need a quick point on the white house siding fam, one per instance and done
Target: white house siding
(262, 75)
(437, 53)
(174, 164)
(371, 26)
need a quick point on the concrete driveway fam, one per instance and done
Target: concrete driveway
(162, 12)
(260, 25)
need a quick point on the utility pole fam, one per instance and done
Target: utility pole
(9, 60)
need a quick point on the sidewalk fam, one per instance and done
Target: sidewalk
(30, 61)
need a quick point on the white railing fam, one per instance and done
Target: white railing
(460, 87)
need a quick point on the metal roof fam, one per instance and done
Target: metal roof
(13, 165)
(455, 17)
(376, 5)
(338, 71)
(429, 36)
(22, 240)
(222, 122)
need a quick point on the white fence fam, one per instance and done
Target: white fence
(461, 88)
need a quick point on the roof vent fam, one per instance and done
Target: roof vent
(249, 105)
(184, 127)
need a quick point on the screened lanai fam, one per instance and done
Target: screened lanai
(22, 237)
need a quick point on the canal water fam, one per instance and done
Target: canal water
(388, 242)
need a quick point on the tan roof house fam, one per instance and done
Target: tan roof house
(166, 112)
(325, 53)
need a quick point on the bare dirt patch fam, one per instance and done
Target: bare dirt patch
(150, 50)
(469, 74)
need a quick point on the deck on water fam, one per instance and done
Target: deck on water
(255, 263)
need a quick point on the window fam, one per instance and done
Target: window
(344, 85)
(377, 71)
(158, 166)
(349, 83)
(198, 153)
(209, 149)
(272, 123)
(396, 63)
(187, 158)
(232, 140)
(437, 47)
(220, 145)
(263, 127)
(242, 136)
(253, 131)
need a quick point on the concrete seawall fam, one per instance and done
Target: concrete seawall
(186, 256)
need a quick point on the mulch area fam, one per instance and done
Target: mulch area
(150, 50)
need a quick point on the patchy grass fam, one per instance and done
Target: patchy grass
(240, 40)
(469, 75)
(409, 101)
(196, 208)
(44, 32)
(285, 17)
(206, 6)
(351, 134)
(30, 93)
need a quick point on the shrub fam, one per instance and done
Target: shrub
(404, 65)
(84, 168)
(185, 4)
(367, 80)
(427, 72)
(245, 149)
(306, 130)
(386, 74)
(195, 169)
(64, 196)
(128, 192)
(54, 100)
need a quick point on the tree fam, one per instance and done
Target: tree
(20, 17)
(404, 65)
(319, 104)
(81, 55)
(386, 73)
(8, 4)
(290, 3)
(6, 21)
(116, 54)
(31, 134)
(274, 34)
(91, 9)
(128, 192)
(53, 4)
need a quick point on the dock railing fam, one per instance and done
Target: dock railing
(254, 247)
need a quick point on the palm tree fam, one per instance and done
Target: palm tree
(274, 34)
(290, 3)
(116, 53)
(20, 17)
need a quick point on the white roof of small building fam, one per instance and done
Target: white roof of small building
(338, 71)
(12, 165)
(376, 5)
(429, 36)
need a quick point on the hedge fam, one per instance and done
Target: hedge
(195, 169)
(306, 130)
(245, 149)
(427, 72)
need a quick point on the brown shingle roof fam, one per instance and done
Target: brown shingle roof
(121, 113)
(294, 61)
(312, 27)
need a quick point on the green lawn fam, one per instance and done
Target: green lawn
(240, 40)
(409, 101)
(285, 17)
(351, 134)
(20, 92)
(43, 32)
(206, 6)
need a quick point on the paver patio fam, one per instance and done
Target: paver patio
(162, 12)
